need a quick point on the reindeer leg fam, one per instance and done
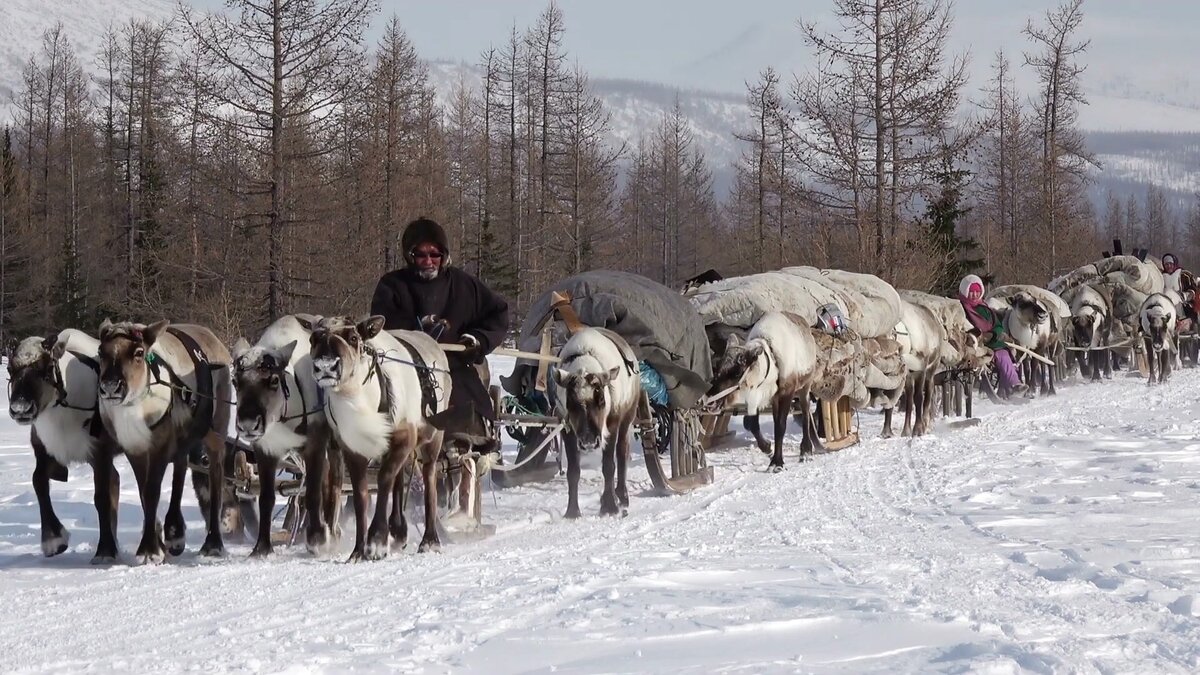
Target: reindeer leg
(267, 465)
(175, 527)
(215, 448)
(571, 446)
(398, 457)
(908, 406)
(316, 488)
(751, 424)
(810, 428)
(919, 405)
(622, 458)
(108, 493)
(397, 522)
(780, 408)
(149, 468)
(608, 465)
(54, 535)
(429, 471)
(887, 423)
(335, 476)
(356, 466)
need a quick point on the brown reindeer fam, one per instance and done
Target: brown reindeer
(162, 389)
(279, 411)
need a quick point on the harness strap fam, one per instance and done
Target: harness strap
(429, 385)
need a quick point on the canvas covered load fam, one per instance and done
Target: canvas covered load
(1123, 269)
(657, 322)
(870, 304)
(740, 302)
(873, 303)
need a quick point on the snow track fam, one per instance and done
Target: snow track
(1054, 536)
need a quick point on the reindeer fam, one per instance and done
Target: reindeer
(278, 412)
(162, 389)
(1156, 318)
(1090, 324)
(776, 365)
(925, 350)
(599, 390)
(52, 389)
(380, 389)
(1028, 322)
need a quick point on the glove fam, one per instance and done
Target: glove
(474, 351)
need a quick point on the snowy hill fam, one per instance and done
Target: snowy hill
(1055, 536)
(22, 23)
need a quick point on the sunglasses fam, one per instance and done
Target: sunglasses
(422, 255)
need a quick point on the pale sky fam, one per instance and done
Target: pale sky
(719, 44)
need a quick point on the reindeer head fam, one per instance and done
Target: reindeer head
(339, 350)
(737, 366)
(31, 379)
(125, 359)
(1085, 324)
(262, 390)
(586, 401)
(1030, 311)
(1158, 323)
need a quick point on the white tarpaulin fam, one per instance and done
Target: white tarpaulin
(1124, 269)
(873, 303)
(742, 301)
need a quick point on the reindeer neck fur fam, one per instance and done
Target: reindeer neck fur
(65, 431)
(283, 437)
(1023, 333)
(788, 360)
(353, 406)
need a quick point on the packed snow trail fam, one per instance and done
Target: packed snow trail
(1055, 536)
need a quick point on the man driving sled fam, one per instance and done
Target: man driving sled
(453, 307)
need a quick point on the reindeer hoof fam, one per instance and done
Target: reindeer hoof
(212, 549)
(775, 468)
(151, 557)
(356, 556)
(377, 549)
(572, 513)
(765, 448)
(609, 509)
(262, 551)
(56, 543)
(429, 544)
(623, 499)
(104, 559)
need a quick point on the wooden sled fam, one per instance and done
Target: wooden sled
(678, 433)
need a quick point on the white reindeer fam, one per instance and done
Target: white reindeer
(599, 388)
(380, 388)
(1156, 318)
(776, 365)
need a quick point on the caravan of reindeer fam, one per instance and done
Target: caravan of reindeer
(319, 393)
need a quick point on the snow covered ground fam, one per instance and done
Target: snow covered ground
(1056, 536)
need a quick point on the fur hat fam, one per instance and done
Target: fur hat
(424, 231)
(969, 281)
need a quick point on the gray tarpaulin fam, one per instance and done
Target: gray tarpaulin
(661, 326)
